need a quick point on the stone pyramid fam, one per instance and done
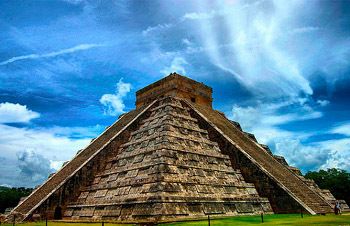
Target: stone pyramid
(174, 157)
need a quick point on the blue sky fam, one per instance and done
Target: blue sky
(68, 68)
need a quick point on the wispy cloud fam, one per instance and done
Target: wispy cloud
(156, 28)
(264, 119)
(77, 48)
(254, 56)
(307, 29)
(200, 15)
(343, 128)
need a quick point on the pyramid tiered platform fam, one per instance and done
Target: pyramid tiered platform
(174, 157)
(168, 168)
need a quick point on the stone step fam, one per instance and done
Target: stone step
(275, 170)
(54, 182)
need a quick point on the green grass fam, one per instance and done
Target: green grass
(65, 224)
(274, 219)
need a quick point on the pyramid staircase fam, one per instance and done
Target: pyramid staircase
(25, 208)
(313, 202)
(167, 169)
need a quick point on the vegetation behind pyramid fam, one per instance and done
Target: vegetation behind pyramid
(173, 157)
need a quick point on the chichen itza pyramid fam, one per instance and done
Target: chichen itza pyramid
(173, 157)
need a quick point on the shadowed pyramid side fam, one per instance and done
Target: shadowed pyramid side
(253, 156)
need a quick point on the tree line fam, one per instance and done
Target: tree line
(9, 197)
(335, 180)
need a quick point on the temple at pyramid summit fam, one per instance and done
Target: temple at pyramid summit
(173, 157)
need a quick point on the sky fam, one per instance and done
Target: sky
(69, 68)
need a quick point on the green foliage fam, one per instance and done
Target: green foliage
(335, 180)
(9, 197)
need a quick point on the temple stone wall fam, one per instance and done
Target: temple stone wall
(175, 85)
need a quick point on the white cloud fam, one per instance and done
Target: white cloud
(323, 103)
(177, 65)
(344, 129)
(186, 42)
(46, 143)
(192, 47)
(159, 27)
(263, 119)
(200, 15)
(29, 155)
(17, 144)
(74, 2)
(12, 113)
(80, 47)
(73, 132)
(305, 157)
(56, 165)
(113, 103)
(340, 153)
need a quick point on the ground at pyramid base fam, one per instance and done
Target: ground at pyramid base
(173, 157)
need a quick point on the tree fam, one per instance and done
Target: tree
(9, 197)
(335, 180)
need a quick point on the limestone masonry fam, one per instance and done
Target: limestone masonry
(173, 157)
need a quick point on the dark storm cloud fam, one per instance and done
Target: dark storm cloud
(34, 168)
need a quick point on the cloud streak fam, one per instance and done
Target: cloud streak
(343, 128)
(253, 53)
(77, 48)
(302, 30)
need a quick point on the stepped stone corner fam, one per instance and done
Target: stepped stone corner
(173, 157)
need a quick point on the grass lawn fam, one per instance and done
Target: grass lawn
(274, 219)
(65, 224)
